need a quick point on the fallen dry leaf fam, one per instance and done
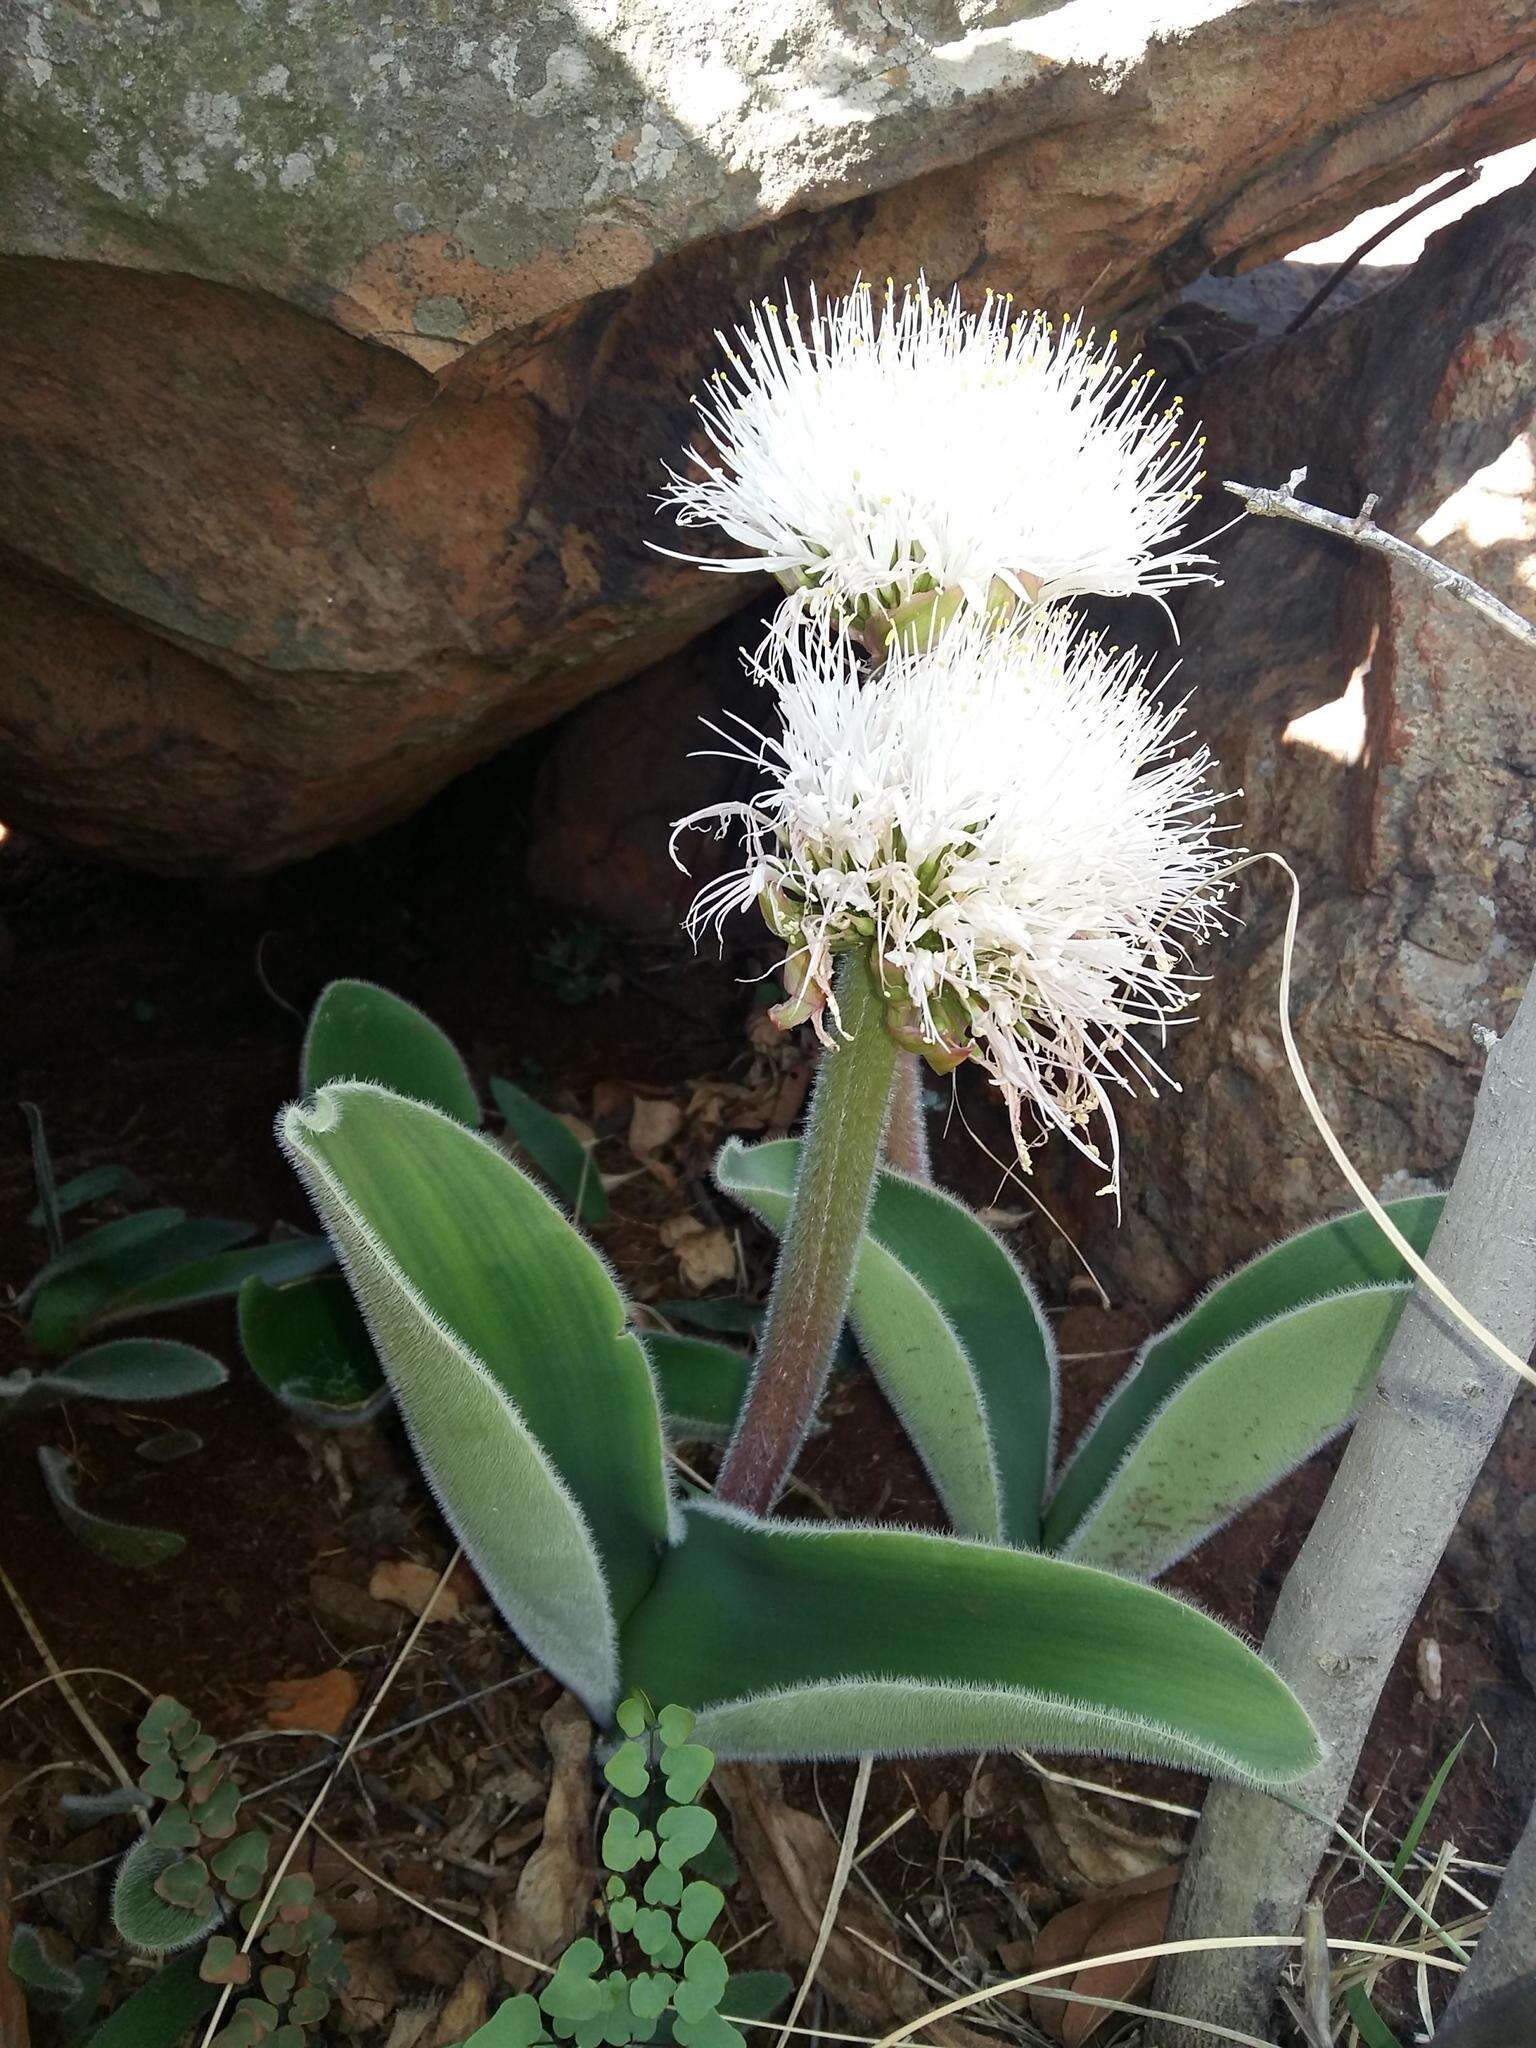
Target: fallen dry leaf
(1104, 1850)
(704, 1257)
(550, 1904)
(320, 1704)
(653, 1122)
(399, 1582)
(1131, 1915)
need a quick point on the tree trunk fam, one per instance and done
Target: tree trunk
(1349, 1601)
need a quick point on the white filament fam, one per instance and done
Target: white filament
(889, 446)
(1007, 818)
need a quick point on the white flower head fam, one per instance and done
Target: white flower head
(1009, 820)
(890, 446)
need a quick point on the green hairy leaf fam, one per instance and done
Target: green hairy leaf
(359, 1032)
(701, 1385)
(555, 1150)
(141, 1912)
(952, 1331)
(503, 1336)
(308, 1344)
(1346, 1253)
(1236, 1426)
(803, 1640)
(120, 1542)
(159, 2015)
(222, 1274)
(70, 1298)
(138, 1369)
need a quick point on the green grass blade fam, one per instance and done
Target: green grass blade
(360, 1032)
(701, 1385)
(953, 1333)
(473, 1283)
(47, 1210)
(1235, 1427)
(555, 1151)
(803, 1640)
(1329, 1258)
(1417, 1825)
(119, 1542)
(1369, 2024)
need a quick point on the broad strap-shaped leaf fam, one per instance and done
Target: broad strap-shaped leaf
(799, 1639)
(107, 1241)
(702, 1385)
(1329, 1258)
(133, 1369)
(162, 2012)
(1234, 1427)
(307, 1342)
(953, 1333)
(139, 1369)
(361, 1032)
(555, 1150)
(91, 1289)
(503, 1336)
(219, 1276)
(120, 1542)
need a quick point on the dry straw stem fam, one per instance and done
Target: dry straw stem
(285, 1861)
(834, 1895)
(59, 1677)
(1346, 1606)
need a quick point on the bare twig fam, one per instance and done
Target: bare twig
(1363, 530)
(1458, 181)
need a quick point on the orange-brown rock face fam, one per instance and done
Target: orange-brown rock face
(342, 350)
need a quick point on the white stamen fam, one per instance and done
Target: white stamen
(888, 447)
(1009, 820)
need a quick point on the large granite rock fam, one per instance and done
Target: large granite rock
(343, 345)
(1385, 740)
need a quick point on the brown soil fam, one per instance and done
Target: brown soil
(149, 1020)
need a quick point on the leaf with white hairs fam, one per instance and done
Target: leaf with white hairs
(799, 1639)
(1340, 1256)
(503, 1335)
(1235, 1427)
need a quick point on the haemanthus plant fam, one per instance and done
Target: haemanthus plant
(980, 837)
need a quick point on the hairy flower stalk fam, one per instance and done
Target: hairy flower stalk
(839, 1155)
(1004, 823)
(888, 450)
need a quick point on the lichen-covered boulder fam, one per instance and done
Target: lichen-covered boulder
(343, 344)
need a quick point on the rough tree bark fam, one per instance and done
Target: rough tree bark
(1506, 1950)
(1347, 1604)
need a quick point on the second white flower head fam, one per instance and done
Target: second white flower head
(891, 446)
(1006, 820)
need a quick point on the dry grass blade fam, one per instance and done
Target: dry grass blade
(59, 1677)
(286, 1859)
(834, 1895)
